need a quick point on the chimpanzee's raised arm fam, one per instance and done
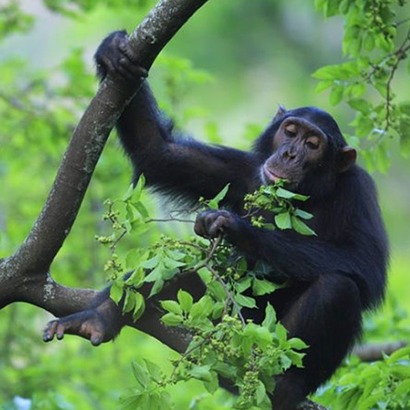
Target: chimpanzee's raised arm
(171, 163)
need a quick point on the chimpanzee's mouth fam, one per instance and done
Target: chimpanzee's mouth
(270, 175)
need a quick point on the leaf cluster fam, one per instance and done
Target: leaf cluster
(380, 385)
(248, 355)
(280, 202)
(377, 43)
(224, 342)
(75, 8)
(13, 19)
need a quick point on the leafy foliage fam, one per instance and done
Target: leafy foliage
(247, 354)
(13, 19)
(223, 342)
(377, 43)
(75, 7)
(280, 202)
(380, 385)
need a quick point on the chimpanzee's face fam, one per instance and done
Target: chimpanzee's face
(298, 146)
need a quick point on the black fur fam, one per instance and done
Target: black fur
(334, 276)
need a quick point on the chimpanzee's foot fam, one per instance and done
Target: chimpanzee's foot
(100, 324)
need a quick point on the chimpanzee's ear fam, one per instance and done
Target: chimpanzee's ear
(347, 157)
(280, 113)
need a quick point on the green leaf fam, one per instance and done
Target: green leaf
(344, 6)
(283, 220)
(357, 90)
(359, 104)
(175, 254)
(139, 306)
(157, 287)
(336, 95)
(281, 333)
(213, 384)
(214, 202)
(139, 187)
(217, 290)
(155, 274)
(185, 300)
(201, 373)
(129, 302)
(263, 287)
(402, 388)
(301, 227)
(151, 263)
(245, 301)
(332, 8)
(171, 306)
(172, 263)
(323, 85)
(218, 310)
(296, 358)
(260, 393)
(284, 193)
(206, 275)
(403, 128)
(296, 343)
(154, 371)
(142, 210)
(303, 214)
(116, 291)
(141, 374)
(137, 278)
(226, 370)
(202, 308)
(270, 318)
(399, 355)
(260, 334)
(133, 258)
(326, 73)
(369, 42)
(171, 319)
(243, 284)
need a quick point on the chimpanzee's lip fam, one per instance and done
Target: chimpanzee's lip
(271, 175)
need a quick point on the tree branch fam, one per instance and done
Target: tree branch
(373, 352)
(60, 210)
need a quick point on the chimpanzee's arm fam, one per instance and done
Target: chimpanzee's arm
(303, 258)
(171, 163)
(178, 165)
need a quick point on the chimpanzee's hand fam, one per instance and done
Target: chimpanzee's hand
(211, 224)
(115, 57)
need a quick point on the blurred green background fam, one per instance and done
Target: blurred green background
(221, 78)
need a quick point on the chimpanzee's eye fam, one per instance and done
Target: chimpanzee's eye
(291, 130)
(312, 142)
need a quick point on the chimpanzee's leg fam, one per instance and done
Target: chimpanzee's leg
(103, 320)
(326, 316)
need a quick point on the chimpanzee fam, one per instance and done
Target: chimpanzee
(331, 277)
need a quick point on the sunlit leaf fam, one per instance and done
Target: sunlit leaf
(171, 319)
(185, 300)
(283, 221)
